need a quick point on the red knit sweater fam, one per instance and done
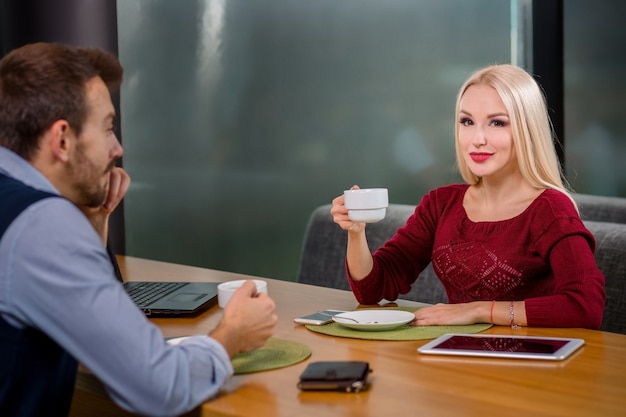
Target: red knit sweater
(543, 256)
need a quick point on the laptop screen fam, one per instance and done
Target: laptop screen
(116, 266)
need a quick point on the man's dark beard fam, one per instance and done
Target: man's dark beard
(91, 195)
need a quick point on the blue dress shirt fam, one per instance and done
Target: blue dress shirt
(56, 276)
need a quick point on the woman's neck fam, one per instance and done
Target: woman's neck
(499, 200)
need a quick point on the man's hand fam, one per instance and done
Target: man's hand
(118, 185)
(249, 320)
(119, 181)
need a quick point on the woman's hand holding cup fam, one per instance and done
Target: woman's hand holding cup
(340, 214)
(359, 206)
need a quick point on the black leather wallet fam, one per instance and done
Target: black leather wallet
(348, 376)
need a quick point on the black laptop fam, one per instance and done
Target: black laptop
(168, 299)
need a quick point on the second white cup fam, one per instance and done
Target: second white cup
(368, 205)
(225, 290)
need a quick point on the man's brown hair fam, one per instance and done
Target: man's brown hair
(41, 83)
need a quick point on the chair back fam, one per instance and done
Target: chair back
(598, 208)
(610, 257)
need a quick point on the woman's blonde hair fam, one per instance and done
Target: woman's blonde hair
(530, 126)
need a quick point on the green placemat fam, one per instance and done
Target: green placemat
(276, 353)
(404, 332)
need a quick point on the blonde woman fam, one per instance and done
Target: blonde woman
(508, 245)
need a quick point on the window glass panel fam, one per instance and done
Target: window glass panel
(240, 117)
(595, 90)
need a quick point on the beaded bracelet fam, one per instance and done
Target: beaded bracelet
(512, 316)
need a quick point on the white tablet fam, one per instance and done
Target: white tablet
(502, 346)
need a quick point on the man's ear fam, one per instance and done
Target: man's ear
(61, 139)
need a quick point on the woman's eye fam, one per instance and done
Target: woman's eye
(466, 122)
(498, 123)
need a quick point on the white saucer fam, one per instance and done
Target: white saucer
(374, 320)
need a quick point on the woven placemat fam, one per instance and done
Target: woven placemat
(276, 353)
(404, 332)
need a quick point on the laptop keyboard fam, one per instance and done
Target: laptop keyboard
(145, 293)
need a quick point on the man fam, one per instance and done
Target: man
(60, 303)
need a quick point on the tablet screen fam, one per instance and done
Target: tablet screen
(503, 346)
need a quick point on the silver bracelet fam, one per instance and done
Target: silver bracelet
(512, 316)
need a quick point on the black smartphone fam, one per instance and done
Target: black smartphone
(348, 376)
(319, 318)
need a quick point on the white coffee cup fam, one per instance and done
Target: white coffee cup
(368, 205)
(225, 290)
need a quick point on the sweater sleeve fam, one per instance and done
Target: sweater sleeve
(398, 263)
(577, 297)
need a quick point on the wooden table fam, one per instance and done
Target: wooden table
(404, 383)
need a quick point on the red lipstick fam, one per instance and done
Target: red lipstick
(480, 156)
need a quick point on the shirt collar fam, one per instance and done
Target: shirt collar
(14, 166)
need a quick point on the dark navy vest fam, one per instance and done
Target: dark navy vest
(36, 375)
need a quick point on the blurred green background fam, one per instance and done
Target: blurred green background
(240, 117)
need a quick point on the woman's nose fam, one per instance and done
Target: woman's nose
(480, 138)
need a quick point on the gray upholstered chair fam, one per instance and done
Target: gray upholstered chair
(601, 209)
(611, 259)
(323, 253)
